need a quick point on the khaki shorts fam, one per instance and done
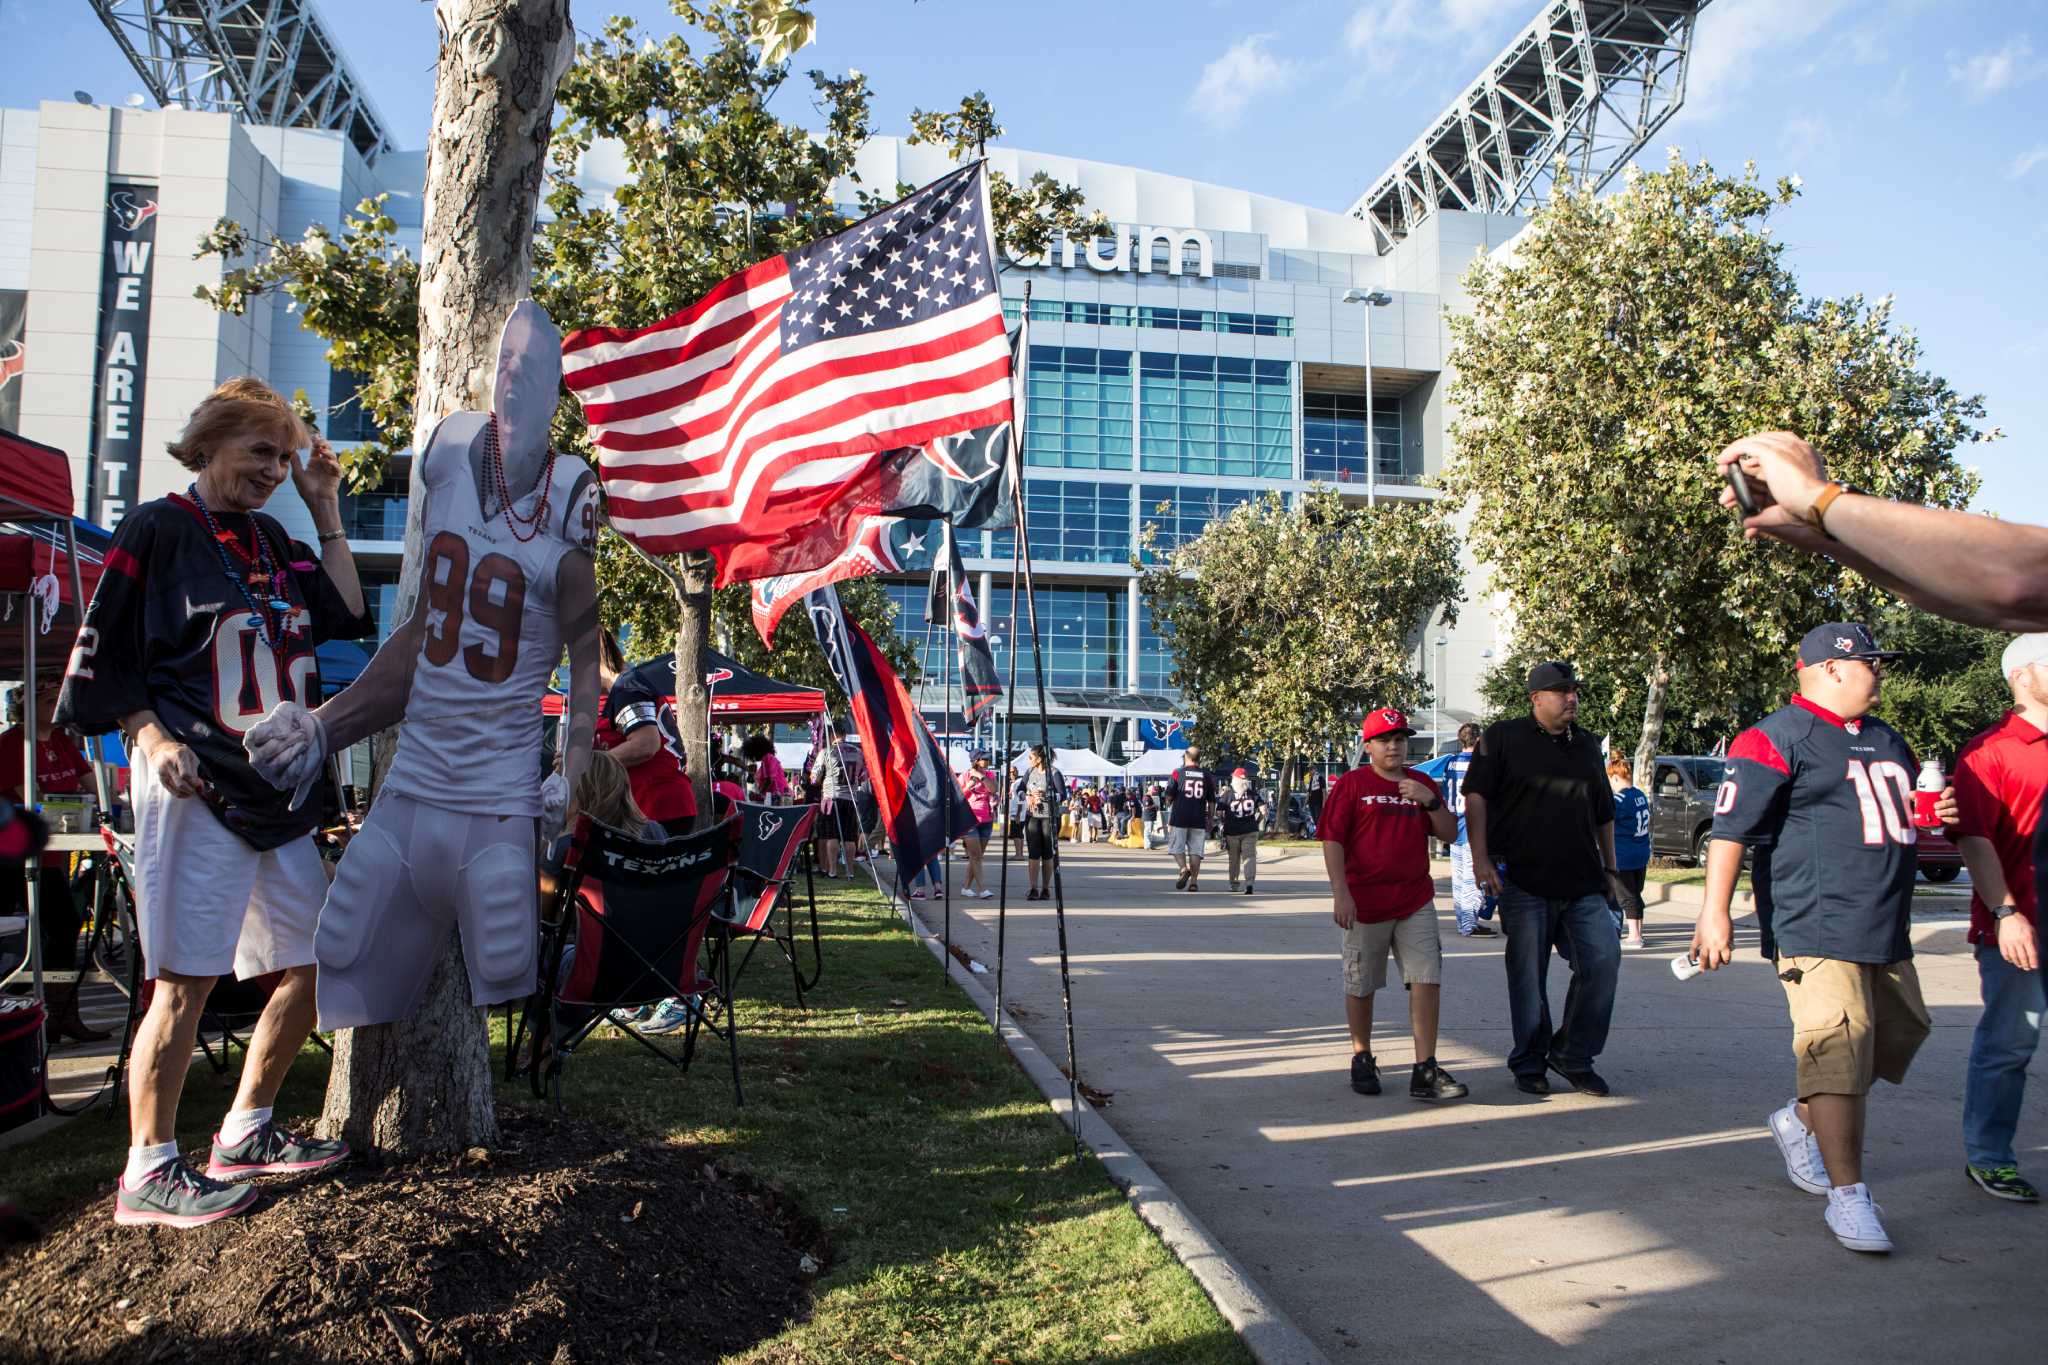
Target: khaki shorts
(1852, 1022)
(1412, 939)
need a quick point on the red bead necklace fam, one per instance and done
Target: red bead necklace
(494, 466)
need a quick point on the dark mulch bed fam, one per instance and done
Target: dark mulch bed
(562, 1244)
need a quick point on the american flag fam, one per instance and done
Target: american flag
(746, 415)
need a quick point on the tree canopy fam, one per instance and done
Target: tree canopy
(1287, 622)
(1620, 343)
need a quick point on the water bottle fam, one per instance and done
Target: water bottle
(1685, 966)
(1927, 791)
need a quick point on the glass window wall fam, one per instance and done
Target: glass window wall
(1079, 408)
(1223, 415)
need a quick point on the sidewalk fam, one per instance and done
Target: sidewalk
(1656, 1224)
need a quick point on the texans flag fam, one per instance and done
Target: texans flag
(951, 598)
(767, 408)
(920, 801)
(884, 545)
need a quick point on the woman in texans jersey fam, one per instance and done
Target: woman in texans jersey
(1243, 814)
(1821, 792)
(206, 617)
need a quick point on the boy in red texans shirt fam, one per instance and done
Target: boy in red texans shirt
(1376, 825)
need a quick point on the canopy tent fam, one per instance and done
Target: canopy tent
(1154, 763)
(739, 695)
(1075, 763)
(42, 548)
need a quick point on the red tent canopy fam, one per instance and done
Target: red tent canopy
(35, 480)
(739, 695)
(37, 535)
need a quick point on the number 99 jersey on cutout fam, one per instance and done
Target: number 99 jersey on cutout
(472, 734)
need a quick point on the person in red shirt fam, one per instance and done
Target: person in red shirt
(637, 723)
(1999, 779)
(1375, 831)
(60, 768)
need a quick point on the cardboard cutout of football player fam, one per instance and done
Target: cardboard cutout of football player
(506, 581)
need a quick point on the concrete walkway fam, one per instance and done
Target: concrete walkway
(1653, 1225)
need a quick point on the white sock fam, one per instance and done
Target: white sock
(143, 1162)
(239, 1123)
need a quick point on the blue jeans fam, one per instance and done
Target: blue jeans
(1533, 924)
(1999, 1054)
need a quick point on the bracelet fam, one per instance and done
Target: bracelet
(1816, 515)
(336, 534)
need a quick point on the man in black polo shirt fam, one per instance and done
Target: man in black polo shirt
(1822, 792)
(1540, 819)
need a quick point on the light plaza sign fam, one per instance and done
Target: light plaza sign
(1129, 249)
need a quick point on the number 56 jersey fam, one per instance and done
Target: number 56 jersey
(471, 739)
(1826, 806)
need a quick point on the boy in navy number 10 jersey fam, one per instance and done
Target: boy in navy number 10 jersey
(1821, 792)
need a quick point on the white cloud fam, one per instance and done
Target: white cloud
(1737, 41)
(1804, 135)
(1242, 74)
(1988, 73)
(1384, 33)
(2026, 161)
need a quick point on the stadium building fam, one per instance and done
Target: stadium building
(1216, 346)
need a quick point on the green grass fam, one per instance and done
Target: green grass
(961, 1227)
(1688, 876)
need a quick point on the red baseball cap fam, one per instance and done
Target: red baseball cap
(1385, 721)
(1239, 772)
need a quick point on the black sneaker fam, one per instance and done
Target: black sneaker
(177, 1196)
(1431, 1082)
(1247, 888)
(2003, 1182)
(1538, 1084)
(1586, 1082)
(1482, 931)
(1365, 1074)
(1180, 883)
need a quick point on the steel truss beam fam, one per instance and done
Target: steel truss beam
(270, 61)
(1581, 89)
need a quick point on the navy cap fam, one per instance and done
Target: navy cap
(1840, 640)
(1555, 675)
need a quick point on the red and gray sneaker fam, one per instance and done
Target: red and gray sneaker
(177, 1196)
(270, 1150)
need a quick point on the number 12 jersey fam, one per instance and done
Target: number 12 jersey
(1827, 807)
(471, 740)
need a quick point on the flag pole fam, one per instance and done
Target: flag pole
(1009, 773)
(1059, 899)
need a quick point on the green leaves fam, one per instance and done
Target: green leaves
(1288, 622)
(1626, 340)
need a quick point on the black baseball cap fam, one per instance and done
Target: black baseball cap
(1554, 675)
(1840, 640)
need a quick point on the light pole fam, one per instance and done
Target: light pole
(1375, 298)
(1441, 642)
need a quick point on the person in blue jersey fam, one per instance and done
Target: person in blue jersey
(1448, 771)
(1821, 793)
(1631, 844)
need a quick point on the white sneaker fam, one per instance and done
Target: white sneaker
(1852, 1217)
(1803, 1166)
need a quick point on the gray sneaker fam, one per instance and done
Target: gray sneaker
(270, 1150)
(178, 1196)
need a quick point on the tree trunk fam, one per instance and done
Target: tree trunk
(1286, 788)
(1653, 720)
(693, 699)
(424, 1084)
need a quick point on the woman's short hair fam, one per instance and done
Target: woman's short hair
(1469, 735)
(605, 794)
(236, 406)
(1621, 768)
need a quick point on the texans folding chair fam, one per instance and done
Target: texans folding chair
(639, 910)
(764, 880)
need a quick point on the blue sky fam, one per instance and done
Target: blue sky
(1920, 127)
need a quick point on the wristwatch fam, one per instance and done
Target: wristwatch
(1436, 803)
(2006, 911)
(1816, 515)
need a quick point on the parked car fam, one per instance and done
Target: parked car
(1682, 789)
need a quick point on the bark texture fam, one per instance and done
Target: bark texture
(693, 699)
(1653, 720)
(424, 1084)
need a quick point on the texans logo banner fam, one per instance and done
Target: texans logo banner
(884, 545)
(920, 801)
(746, 418)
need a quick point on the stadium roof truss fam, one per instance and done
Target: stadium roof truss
(270, 61)
(1581, 89)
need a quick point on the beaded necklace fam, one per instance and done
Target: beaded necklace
(256, 571)
(494, 469)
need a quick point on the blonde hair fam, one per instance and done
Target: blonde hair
(605, 794)
(239, 405)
